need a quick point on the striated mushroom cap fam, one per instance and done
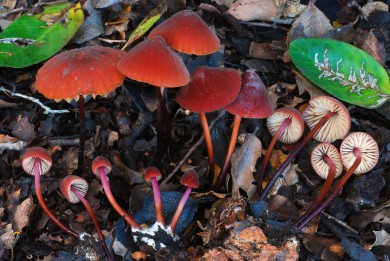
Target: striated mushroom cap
(190, 179)
(293, 131)
(28, 160)
(98, 162)
(319, 164)
(73, 181)
(186, 32)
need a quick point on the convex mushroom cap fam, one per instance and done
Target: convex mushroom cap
(153, 62)
(368, 149)
(28, 160)
(186, 32)
(337, 127)
(320, 166)
(98, 162)
(210, 89)
(78, 183)
(152, 172)
(190, 179)
(84, 71)
(294, 131)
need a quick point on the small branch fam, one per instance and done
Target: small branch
(341, 223)
(13, 145)
(201, 139)
(47, 109)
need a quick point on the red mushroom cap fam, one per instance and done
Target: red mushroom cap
(152, 172)
(153, 62)
(98, 162)
(293, 131)
(186, 32)
(210, 89)
(190, 179)
(85, 71)
(253, 100)
(29, 157)
(78, 183)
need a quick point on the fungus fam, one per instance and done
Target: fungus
(210, 89)
(153, 174)
(36, 161)
(328, 120)
(101, 167)
(359, 153)
(287, 126)
(74, 189)
(190, 180)
(252, 102)
(77, 73)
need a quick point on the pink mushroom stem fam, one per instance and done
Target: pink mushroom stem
(37, 167)
(232, 145)
(295, 152)
(207, 138)
(157, 201)
(324, 190)
(106, 186)
(180, 208)
(94, 219)
(268, 152)
(336, 190)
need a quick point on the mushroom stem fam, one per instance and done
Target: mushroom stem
(207, 138)
(106, 186)
(324, 190)
(157, 201)
(268, 152)
(37, 167)
(336, 190)
(80, 164)
(179, 209)
(232, 145)
(295, 152)
(94, 219)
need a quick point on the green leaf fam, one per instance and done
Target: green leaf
(346, 72)
(31, 39)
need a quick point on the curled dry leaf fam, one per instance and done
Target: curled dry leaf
(22, 213)
(249, 10)
(374, 6)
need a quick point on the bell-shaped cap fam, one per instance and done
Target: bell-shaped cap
(28, 160)
(153, 62)
(152, 172)
(98, 162)
(210, 89)
(76, 182)
(84, 71)
(294, 131)
(190, 179)
(318, 163)
(186, 32)
(253, 100)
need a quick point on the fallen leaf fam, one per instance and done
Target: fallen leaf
(305, 85)
(7, 237)
(4, 104)
(369, 43)
(285, 208)
(249, 10)
(22, 129)
(264, 50)
(23, 213)
(371, 7)
(70, 159)
(363, 218)
(382, 238)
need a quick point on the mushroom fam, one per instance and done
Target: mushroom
(153, 174)
(359, 153)
(101, 167)
(326, 162)
(286, 125)
(154, 63)
(210, 89)
(328, 120)
(74, 189)
(252, 102)
(77, 73)
(190, 180)
(36, 161)
(186, 32)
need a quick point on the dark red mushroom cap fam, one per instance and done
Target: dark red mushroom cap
(153, 62)
(190, 179)
(293, 131)
(28, 160)
(152, 172)
(253, 100)
(98, 162)
(186, 32)
(85, 71)
(210, 89)
(78, 183)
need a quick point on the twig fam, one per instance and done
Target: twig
(221, 113)
(46, 108)
(16, 10)
(341, 223)
(19, 145)
(260, 24)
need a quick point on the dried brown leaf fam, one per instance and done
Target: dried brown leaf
(22, 129)
(4, 104)
(264, 50)
(249, 10)
(305, 85)
(374, 6)
(369, 43)
(23, 213)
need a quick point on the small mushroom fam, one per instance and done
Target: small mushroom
(252, 102)
(286, 125)
(359, 153)
(186, 32)
(153, 174)
(328, 120)
(190, 180)
(37, 161)
(326, 162)
(74, 189)
(101, 167)
(210, 89)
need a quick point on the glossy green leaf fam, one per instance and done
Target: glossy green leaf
(33, 38)
(346, 72)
